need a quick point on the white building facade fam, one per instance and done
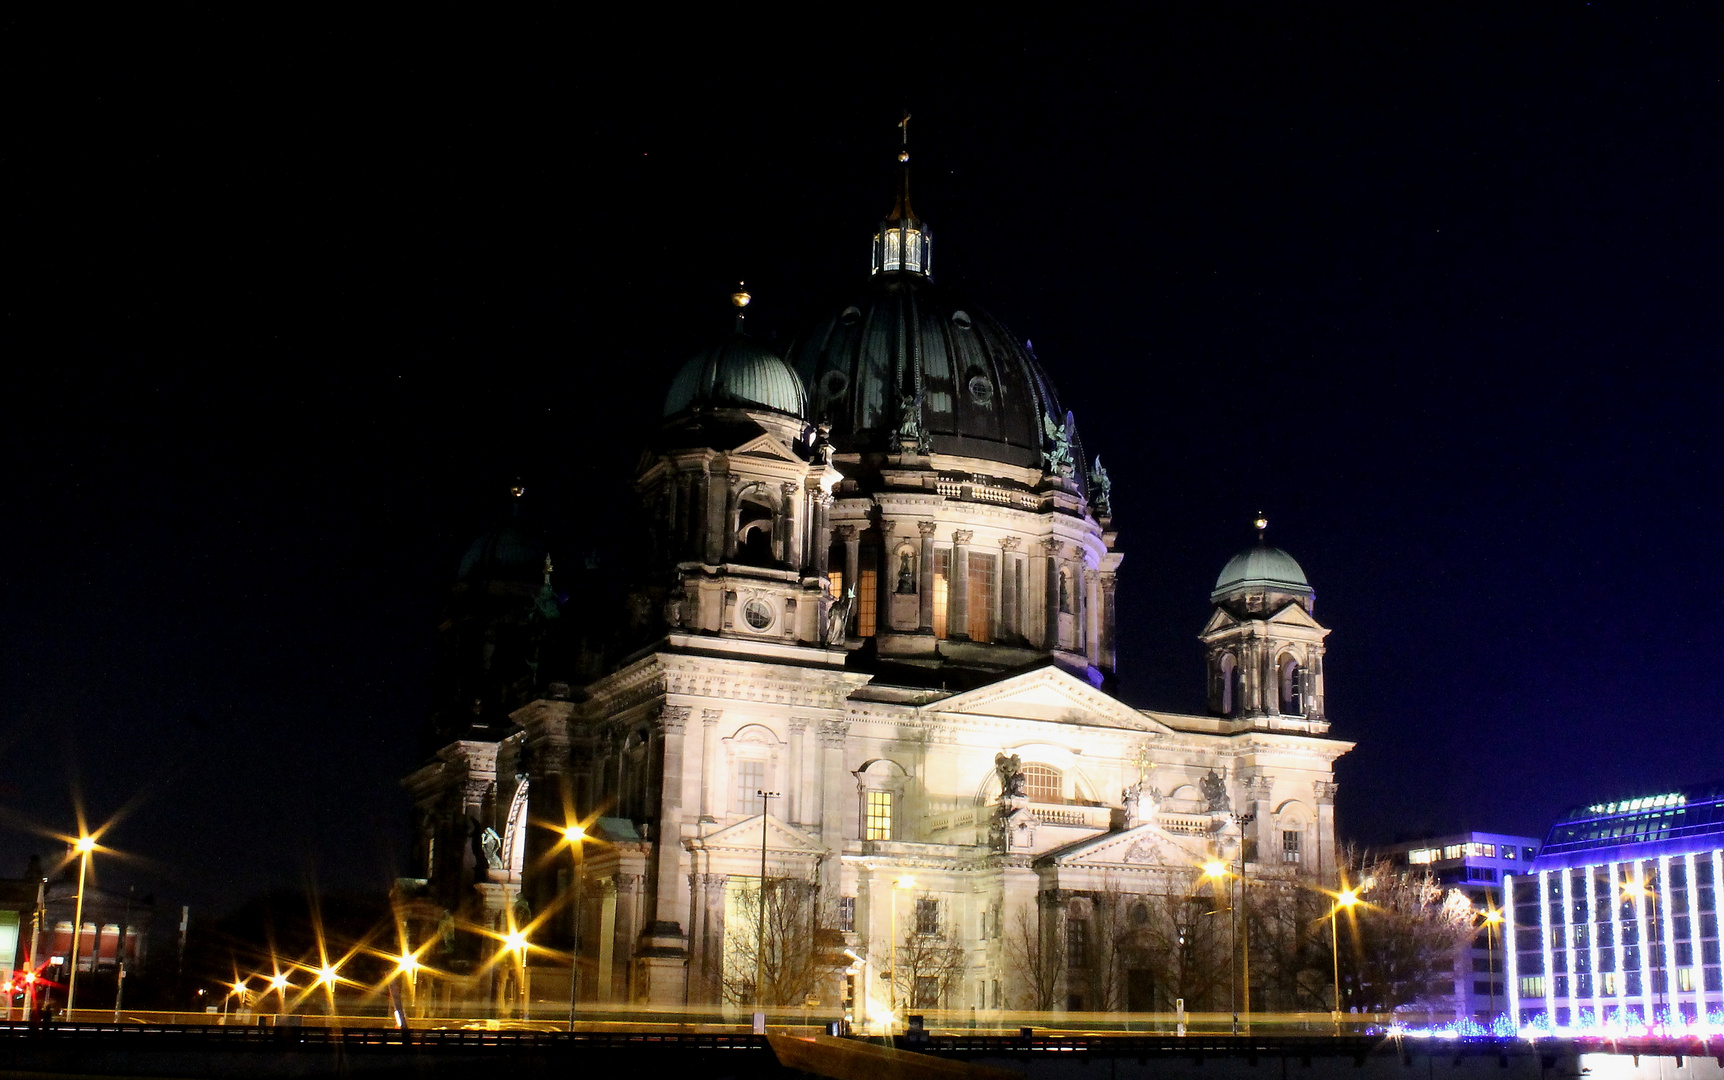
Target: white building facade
(886, 608)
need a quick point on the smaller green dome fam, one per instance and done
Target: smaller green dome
(1261, 566)
(737, 374)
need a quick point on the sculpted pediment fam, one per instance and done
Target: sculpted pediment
(1219, 620)
(765, 445)
(1048, 693)
(745, 836)
(1146, 846)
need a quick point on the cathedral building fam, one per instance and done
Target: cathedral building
(876, 651)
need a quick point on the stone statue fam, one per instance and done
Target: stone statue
(838, 618)
(1057, 457)
(906, 574)
(1214, 789)
(909, 438)
(493, 847)
(1011, 771)
(1142, 803)
(1101, 490)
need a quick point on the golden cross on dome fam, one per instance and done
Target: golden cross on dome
(904, 126)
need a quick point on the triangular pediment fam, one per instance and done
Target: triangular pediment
(1295, 615)
(1048, 693)
(1145, 847)
(765, 445)
(745, 835)
(1219, 620)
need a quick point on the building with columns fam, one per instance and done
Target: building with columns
(875, 655)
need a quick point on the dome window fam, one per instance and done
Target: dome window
(833, 383)
(961, 319)
(850, 315)
(981, 389)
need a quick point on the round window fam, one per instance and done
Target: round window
(981, 389)
(961, 319)
(833, 383)
(851, 316)
(758, 614)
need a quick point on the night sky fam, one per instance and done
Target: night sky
(289, 306)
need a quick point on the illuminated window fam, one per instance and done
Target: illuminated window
(1452, 851)
(942, 589)
(835, 583)
(1685, 980)
(1481, 851)
(1042, 784)
(1290, 845)
(878, 825)
(1532, 986)
(847, 913)
(981, 584)
(750, 778)
(867, 591)
(1420, 856)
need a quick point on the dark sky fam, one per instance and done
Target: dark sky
(288, 305)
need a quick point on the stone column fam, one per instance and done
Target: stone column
(732, 516)
(626, 889)
(1109, 616)
(959, 586)
(607, 938)
(1092, 615)
(789, 518)
(665, 944)
(708, 758)
(832, 776)
(884, 579)
(1051, 561)
(1324, 793)
(822, 535)
(925, 578)
(852, 570)
(1258, 794)
(1011, 621)
(713, 503)
(792, 784)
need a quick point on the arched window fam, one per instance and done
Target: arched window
(1229, 700)
(1043, 784)
(756, 523)
(1292, 700)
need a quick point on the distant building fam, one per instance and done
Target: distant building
(1476, 863)
(1616, 921)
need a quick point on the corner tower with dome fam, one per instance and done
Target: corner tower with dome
(877, 652)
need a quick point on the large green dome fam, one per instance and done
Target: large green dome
(1261, 566)
(737, 374)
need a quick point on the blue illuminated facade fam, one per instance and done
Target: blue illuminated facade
(1616, 923)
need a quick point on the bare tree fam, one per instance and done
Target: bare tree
(1405, 934)
(1035, 958)
(800, 952)
(930, 961)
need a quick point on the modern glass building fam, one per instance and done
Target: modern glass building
(1616, 924)
(1477, 863)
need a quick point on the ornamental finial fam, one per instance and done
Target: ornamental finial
(1262, 524)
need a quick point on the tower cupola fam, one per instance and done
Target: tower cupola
(902, 243)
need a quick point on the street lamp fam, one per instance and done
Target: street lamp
(1346, 898)
(760, 929)
(516, 942)
(905, 882)
(84, 846)
(576, 838)
(1215, 870)
(407, 964)
(1493, 919)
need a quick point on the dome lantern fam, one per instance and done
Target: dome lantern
(902, 243)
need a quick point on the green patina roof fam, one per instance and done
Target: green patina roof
(1262, 565)
(737, 374)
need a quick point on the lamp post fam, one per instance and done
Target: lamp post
(408, 964)
(1346, 898)
(1215, 870)
(905, 882)
(516, 942)
(576, 836)
(84, 846)
(1655, 964)
(1493, 920)
(760, 928)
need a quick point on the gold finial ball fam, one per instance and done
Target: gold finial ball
(518, 490)
(1261, 522)
(903, 156)
(739, 297)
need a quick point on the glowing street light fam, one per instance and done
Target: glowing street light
(1346, 898)
(84, 846)
(906, 882)
(575, 836)
(1493, 920)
